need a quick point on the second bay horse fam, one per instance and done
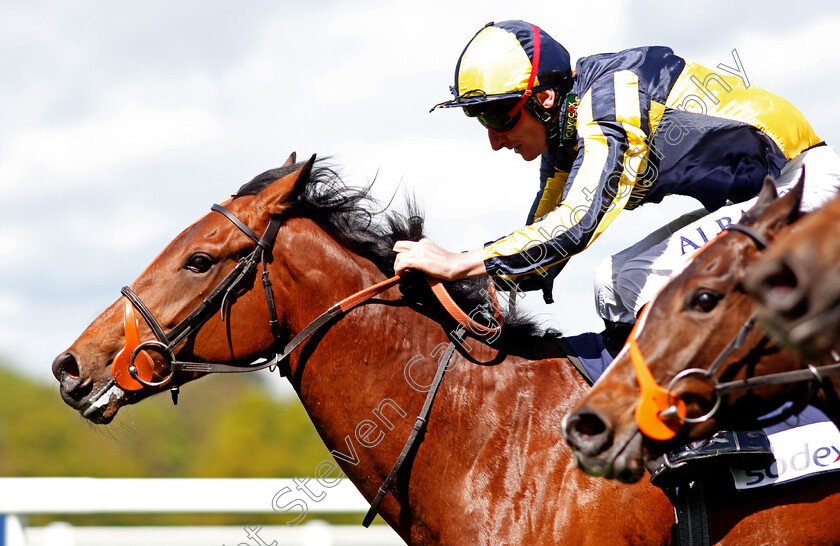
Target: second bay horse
(702, 320)
(796, 284)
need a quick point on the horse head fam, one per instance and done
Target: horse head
(700, 318)
(796, 284)
(171, 288)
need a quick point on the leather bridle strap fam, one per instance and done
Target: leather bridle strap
(810, 373)
(241, 225)
(243, 268)
(325, 317)
(760, 241)
(138, 304)
(419, 424)
(734, 344)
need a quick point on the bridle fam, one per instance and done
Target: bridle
(661, 413)
(166, 343)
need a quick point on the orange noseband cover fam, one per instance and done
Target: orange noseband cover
(144, 363)
(653, 398)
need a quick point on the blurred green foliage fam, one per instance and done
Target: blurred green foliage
(225, 426)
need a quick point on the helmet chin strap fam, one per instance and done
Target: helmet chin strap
(547, 117)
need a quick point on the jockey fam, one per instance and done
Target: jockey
(621, 130)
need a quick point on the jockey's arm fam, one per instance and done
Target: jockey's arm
(612, 149)
(611, 146)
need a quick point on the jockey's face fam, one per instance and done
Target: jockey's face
(529, 138)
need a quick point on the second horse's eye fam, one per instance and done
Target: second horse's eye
(704, 300)
(199, 263)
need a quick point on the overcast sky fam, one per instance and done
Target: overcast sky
(121, 123)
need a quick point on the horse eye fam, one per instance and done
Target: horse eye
(199, 263)
(704, 300)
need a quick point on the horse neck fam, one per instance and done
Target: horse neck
(363, 380)
(361, 358)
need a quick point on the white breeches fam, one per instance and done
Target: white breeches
(626, 281)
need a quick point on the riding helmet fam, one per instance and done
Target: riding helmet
(504, 61)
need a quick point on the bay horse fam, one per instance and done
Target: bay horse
(491, 467)
(796, 285)
(702, 320)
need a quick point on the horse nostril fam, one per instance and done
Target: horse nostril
(589, 424)
(779, 287)
(587, 432)
(65, 365)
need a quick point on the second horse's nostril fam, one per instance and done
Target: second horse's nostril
(589, 424)
(782, 280)
(782, 292)
(587, 433)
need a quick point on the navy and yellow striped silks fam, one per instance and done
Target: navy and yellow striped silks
(649, 124)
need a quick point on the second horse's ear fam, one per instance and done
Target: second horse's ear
(291, 161)
(280, 194)
(768, 217)
(794, 196)
(766, 196)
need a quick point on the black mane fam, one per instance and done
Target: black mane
(370, 230)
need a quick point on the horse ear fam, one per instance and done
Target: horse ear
(770, 217)
(795, 197)
(291, 161)
(277, 197)
(766, 196)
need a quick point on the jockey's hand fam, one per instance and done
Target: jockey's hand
(430, 258)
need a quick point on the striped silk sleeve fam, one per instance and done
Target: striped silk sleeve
(612, 149)
(552, 182)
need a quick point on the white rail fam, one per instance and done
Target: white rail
(20, 497)
(172, 495)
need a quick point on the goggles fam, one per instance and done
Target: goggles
(499, 116)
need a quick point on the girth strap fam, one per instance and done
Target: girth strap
(419, 424)
(691, 516)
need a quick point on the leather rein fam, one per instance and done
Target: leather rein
(660, 413)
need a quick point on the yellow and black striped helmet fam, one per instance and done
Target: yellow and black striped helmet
(504, 61)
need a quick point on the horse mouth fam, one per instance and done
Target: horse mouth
(625, 463)
(101, 406)
(813, 336)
